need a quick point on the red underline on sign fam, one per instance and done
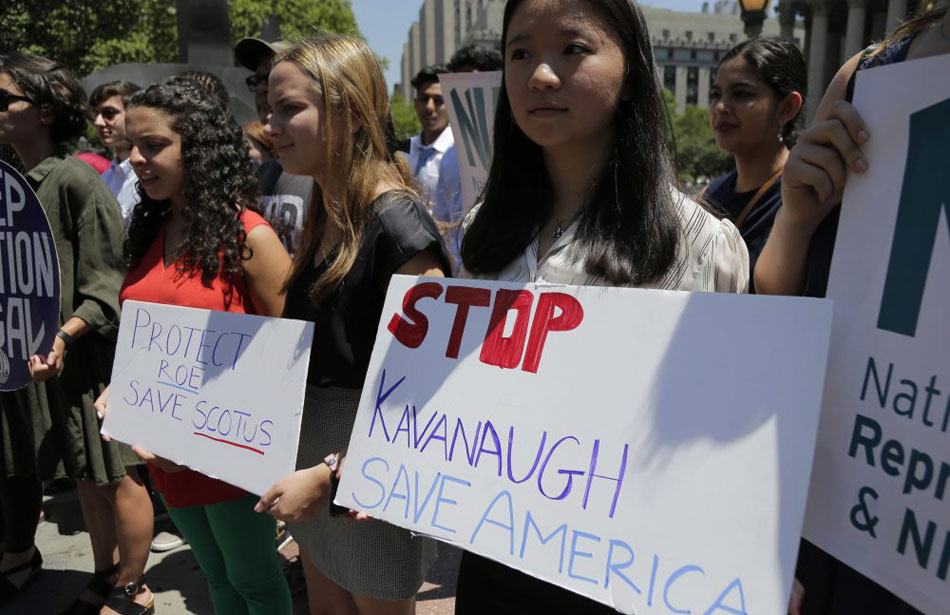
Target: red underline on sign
(231, 443)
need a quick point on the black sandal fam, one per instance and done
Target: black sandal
(98, 586)
(122, 600)
(8, 588)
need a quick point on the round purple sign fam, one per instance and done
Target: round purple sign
(29, 280)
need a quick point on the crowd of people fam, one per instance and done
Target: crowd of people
(309, 211)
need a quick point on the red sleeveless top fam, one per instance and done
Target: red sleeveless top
(152, 281)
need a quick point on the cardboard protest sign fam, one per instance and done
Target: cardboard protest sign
(648, 449)
(29, 279)
(221, 393)
(879, 499)
(470, 99)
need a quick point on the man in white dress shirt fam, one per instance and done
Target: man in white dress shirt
(447, 206)
(427, 148)
(107, 104)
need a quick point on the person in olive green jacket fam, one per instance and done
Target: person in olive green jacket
(49, 429)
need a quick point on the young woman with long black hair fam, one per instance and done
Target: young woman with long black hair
(580, 192)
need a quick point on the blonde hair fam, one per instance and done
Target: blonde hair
(345, 71)
(927, 13)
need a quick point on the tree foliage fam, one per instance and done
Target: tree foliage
(297, 17)
(404, 117)
(696, 154)
(89, 36)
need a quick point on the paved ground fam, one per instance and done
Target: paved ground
(173, 576)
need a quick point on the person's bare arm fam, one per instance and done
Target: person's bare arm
(266, 270)
(812, 185)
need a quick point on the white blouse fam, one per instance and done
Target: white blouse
(711, 257)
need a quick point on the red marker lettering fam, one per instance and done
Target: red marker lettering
(544, 320)
(464, 297)
(411, 333)
(506, 351)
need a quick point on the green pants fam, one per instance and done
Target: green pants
(236, 551)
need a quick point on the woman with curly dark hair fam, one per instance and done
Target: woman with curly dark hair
(49, 428)
(194, 241)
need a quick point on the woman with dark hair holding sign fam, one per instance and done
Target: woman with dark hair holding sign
(797, 261)
(194, 242)
(50, 429)
(580, 192)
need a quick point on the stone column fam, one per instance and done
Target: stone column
(896, 12)
(854, 37)
(786, 20)
(878, 24)
(680, 88)
(817, 56)
(702, 88)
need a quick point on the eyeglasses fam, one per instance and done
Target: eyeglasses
(108, 113)
(255, 80)
(7, 97)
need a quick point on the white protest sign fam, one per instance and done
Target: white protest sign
(470, 99)
(221, 393)
(648, 449)
(880, 495)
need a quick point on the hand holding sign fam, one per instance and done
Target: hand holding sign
(817, 166)
(102, 409)
(297, 497)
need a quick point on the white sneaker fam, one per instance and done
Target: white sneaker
(166, 541)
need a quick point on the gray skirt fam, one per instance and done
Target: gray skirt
(368, 558)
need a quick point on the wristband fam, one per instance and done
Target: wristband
(332, 462)
(67, 338)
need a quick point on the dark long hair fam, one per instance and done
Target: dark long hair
(219, 183)
(781, 66)
(51, 86)
(628, 232)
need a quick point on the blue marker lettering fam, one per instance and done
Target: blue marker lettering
(719, 606)
(401, 473)
(510, 526)
(417, 512)
(561, 529)
(619, 480)
(578, 554)
(497, 452)
(615, 568)
(439, 499)
(669, 583)
(135, 329)
(537, 458)
(570, 473)
(382, 488)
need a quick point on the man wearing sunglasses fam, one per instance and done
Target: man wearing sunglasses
(284, 197)
(107, 110)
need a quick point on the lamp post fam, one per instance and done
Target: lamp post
(753, 14)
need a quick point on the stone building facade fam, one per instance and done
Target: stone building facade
(687, 46)
(835, 30)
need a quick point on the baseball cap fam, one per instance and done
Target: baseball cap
(251, 50)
